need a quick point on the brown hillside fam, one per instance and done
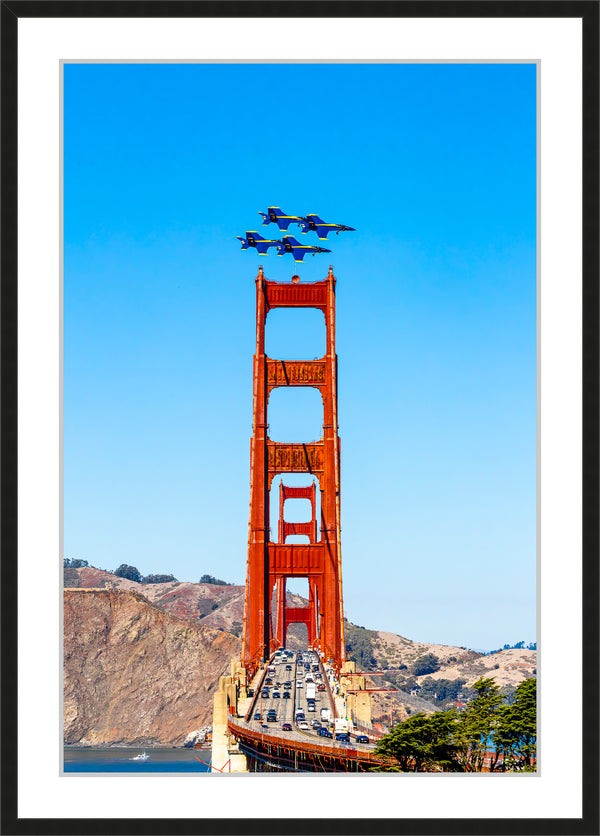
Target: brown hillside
(134, 674)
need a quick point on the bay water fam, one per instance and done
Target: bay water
(106, 760)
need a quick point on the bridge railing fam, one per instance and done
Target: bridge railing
(332, 748)
(365, 729)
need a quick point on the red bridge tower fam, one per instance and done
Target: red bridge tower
(269, 563)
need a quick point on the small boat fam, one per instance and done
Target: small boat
(141, 757)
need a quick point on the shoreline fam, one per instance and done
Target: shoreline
(162, 746)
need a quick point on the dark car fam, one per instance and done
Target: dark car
(323, 732)
(257, 716)
(250, 692)
(286, 695)
(343, 736)
(287, 727)
(362, 738)
(271, 718)
(288, 667)
(320, 687)
(265, 692)
(268, 681)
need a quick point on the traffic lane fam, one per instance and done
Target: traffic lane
(321, 701)
(263, 704)
(298, 700)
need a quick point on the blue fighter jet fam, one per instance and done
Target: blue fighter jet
(314, 223)
(274, 215)
(288, 244)
(253, 239)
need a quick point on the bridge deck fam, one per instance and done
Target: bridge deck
(267, 740)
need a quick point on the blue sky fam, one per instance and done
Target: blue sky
(435, 167)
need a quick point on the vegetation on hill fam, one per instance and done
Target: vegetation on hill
(516, 646)
(74, 563)
(428, 663)
(487, 729)
(216, 581)
(359, 645)
(131, 573)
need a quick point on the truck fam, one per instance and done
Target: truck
(311, 691)
(340, 724)
(325, 715)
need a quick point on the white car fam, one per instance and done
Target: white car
(299, 684)
(303, 725)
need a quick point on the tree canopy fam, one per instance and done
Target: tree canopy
(128, 572)
(429, 663)
(487, 730)
(216, 581)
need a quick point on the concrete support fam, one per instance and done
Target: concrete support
(362, 707)
(226, 756)
(220, 754)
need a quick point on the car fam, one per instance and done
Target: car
(250, 692)
(320, 687)
(257, 715)
(265, 692)
(287, 684)
(276, 694)
(271, 718)
(323, 732)
(311, 706)
(299, 684)
(315, 724)
(287, 727)
(286, 695)
(362, 738)
(303, 725)
(288, 667)
(343, 736)
(268, 681)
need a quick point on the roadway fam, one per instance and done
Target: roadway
(291, 672)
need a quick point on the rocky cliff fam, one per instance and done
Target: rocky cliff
(133, 673)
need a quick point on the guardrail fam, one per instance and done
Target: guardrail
(333, 749)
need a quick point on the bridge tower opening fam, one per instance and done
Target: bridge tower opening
(319, 560)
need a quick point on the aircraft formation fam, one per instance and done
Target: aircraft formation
(288, 244)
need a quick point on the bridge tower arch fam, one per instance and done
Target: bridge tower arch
(270, 564)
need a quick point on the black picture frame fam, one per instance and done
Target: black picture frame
(14, 10)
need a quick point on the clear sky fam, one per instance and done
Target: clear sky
(435, 167)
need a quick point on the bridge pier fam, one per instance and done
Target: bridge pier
(229, 699)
